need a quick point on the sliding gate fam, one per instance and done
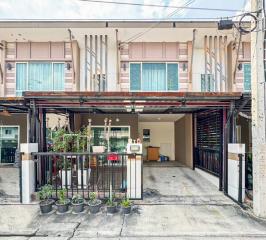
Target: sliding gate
(208, 151)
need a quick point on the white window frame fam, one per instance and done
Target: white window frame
(166, 80)
(27, 78)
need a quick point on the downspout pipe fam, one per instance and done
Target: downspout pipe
(117, 57)
(192, 55)
(72, 55)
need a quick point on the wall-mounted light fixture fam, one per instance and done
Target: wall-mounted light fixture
(9, 66)
(124, 67)
(239, 67)
(184, 67)
(68, 66)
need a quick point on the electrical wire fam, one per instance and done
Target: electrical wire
(140, 34)
(241, 27)
(163, 6)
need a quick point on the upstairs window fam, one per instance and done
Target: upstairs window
(153, 77)
(39, 76)
(247, 76)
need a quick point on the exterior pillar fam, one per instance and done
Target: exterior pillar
(28, 171)
(258, 114)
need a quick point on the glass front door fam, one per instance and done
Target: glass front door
(118, 138)
(9, 142)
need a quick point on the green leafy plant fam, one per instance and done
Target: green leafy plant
(77, 199)
(58, 140)
(45, 193)
(93, 200)
(64, 164)
(110, 203)
(62, 199)
(126, 203)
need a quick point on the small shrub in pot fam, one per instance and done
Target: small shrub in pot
(126, 205)
(77, 203)
(45, 194)
(94, 203)
(62, 203)
(111, 206)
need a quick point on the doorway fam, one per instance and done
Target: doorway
(9, 142)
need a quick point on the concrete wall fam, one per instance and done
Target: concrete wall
(98, 119)
(183, 140)
(161, 135)
(18, 120)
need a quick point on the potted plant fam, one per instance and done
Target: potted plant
(94, 203)
(65, 172)
(111, 206)
(126, 206)
(77, 203)
(45, 194)
(62, 203)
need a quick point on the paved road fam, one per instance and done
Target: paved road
(178, 204)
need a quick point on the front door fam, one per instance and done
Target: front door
(9, 142)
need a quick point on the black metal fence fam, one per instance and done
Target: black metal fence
(208, 159)
(82, 173)
(248, 171)
(8, 155)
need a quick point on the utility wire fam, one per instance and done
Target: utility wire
(138, 35)
(163, 6)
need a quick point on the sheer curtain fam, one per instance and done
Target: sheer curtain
(247, 77)
(40, 76)
(59, 76)
(21, 78)
(153, 76)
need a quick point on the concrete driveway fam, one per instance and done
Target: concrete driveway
(178, 204)
(179, 185)
(9, 184)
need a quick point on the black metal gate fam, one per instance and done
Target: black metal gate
(209, 141)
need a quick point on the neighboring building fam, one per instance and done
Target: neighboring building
(184, 82)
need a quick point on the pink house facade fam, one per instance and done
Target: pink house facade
(182, 83)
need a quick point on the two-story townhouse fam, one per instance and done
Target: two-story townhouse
(179, 86)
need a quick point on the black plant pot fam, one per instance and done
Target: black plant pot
(46, 206)
(111, 209)
(126, 210)
(62, 208)
(78, 207)
(95, 207)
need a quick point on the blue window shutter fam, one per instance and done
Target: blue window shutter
(21, 78)
(172, 76)
(247, 77)
(135, 76)
(59, 77)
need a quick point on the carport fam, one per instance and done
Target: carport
(212, 118)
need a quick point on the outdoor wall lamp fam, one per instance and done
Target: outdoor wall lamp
(239, 67)
(68, 66)
(124, 67)
(9, 66)
(184, 67)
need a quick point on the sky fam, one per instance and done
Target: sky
(77, 9)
